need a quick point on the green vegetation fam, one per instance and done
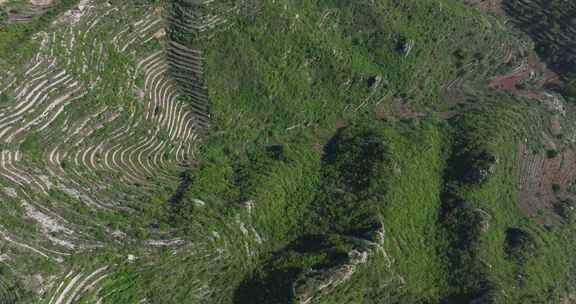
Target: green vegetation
(15, 43)
(10, 289)
(520, 245)
(358, 192)
(4, 98)
(570, 90)
(32, 147)
(495, 248)
(349, 152)
(551, 23)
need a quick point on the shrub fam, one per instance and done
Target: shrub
(572, 188)
(520, 245)
(33, 147)
(565, 209)
(570, 90)
(275, 282)
(552, 153)
(4, 98)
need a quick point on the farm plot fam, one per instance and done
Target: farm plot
(111, 105)
(94, 120)
(543, 182)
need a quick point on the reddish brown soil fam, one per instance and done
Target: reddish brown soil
(510, 82)
(529, 94)
(494, 6)
(536, 195)
(380, 111)
(568, 171)
(507, 82)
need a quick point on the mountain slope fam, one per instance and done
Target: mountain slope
(281, 152)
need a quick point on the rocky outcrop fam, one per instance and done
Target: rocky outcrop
(315, 283)
(31, 10)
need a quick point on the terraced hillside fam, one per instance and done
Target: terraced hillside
(552, 25)
(91, 124)
(218, 151)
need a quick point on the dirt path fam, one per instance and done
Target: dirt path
(41, 2)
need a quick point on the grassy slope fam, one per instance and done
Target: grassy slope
(283, 79)
(410, 268)
(545, 273)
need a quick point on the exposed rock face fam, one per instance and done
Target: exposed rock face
(41, 2)
(482, 167)
(407, 47)
(314, 283)
(485, 219)
(374, 82)
(31, 10)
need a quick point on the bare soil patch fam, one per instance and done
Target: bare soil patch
(318, 147)
(160, 34)
(555, 125)
(380, 111)
(494, 6)
(543, 182)
(511, 83)
(41, 2)
(340, 123)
